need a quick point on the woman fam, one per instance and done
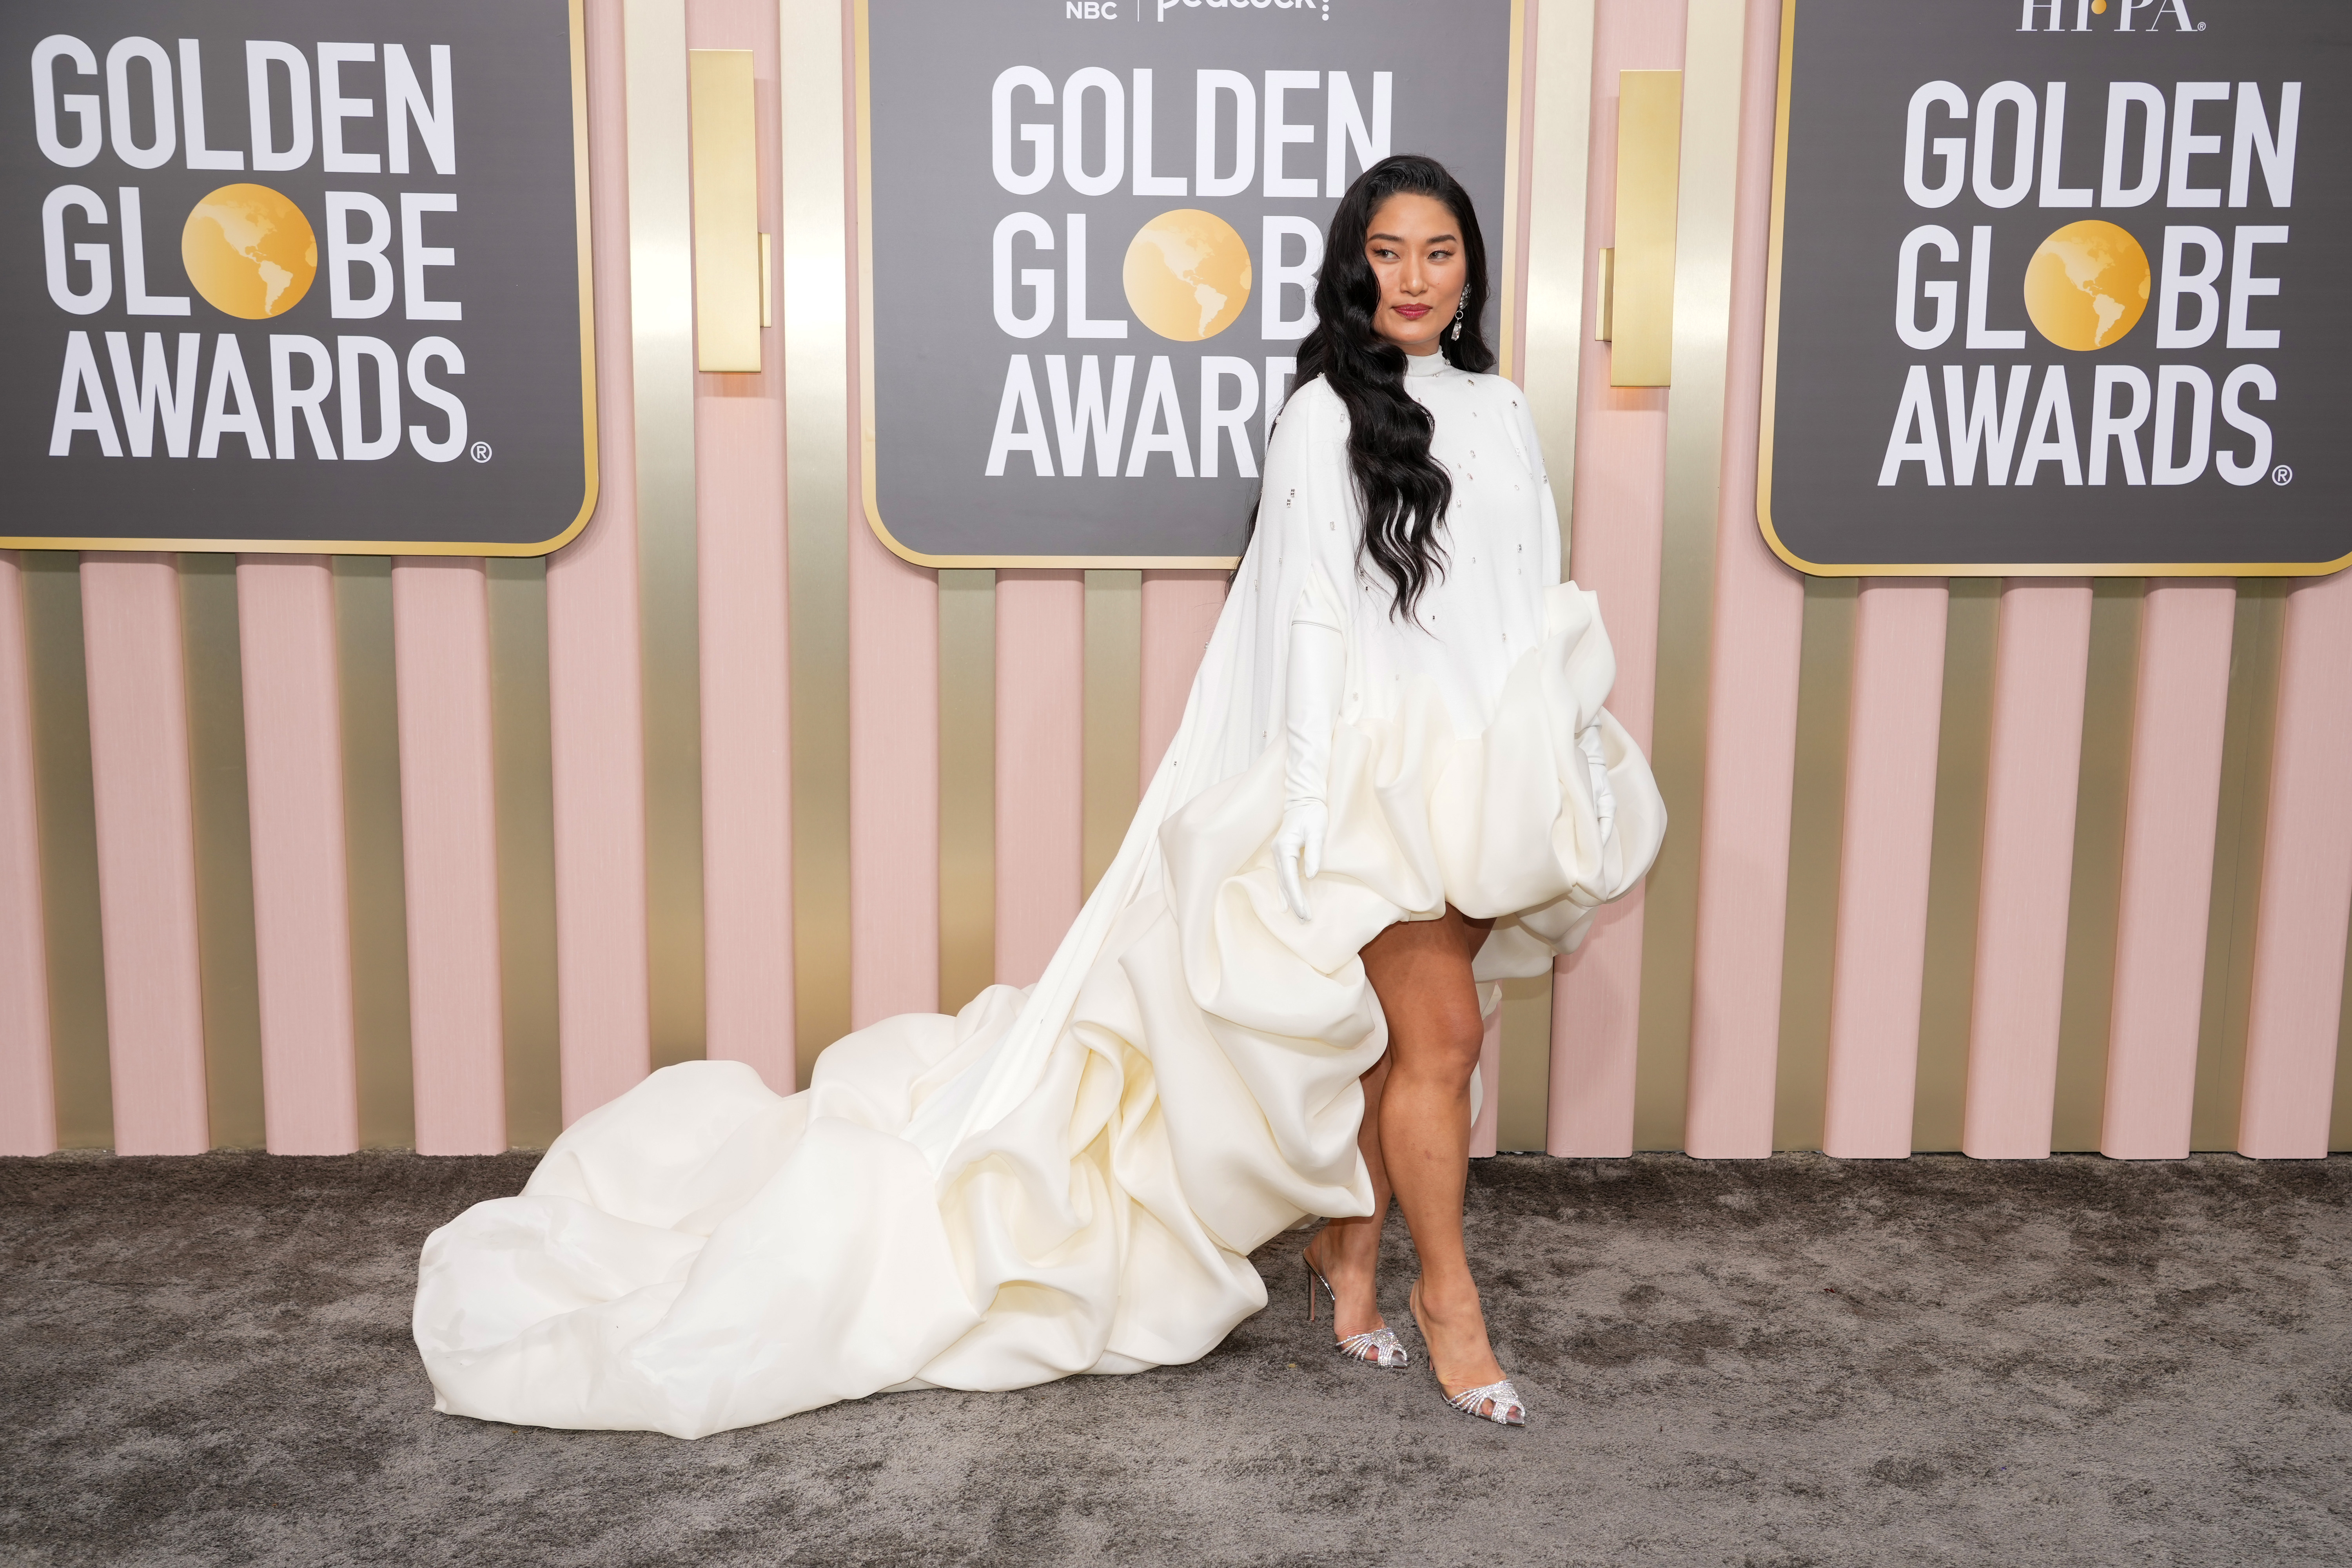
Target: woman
(1394, 785)
(1448, 554)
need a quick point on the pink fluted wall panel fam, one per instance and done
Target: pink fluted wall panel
(28, 1111)
(301, 885)
(746, 756)
(448, 821)
(894, 761)
(894, 782)
(2183, 703)
(1040, 634)
(2026, 877)
(1618, 530)
(2291, 1030)
(595, 695)
(1179, 612)
(744, 623)
(146, 852)
(1880, 952)
(1751, 740)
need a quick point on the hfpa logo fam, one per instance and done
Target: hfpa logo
(2151, 15)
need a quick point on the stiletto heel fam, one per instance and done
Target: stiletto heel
(1498, 1402)
(1379, 1347)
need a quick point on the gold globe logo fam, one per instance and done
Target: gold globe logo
(2087, 286)
(249, 251)
(1187, 275)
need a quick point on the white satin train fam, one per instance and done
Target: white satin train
(1065, 1178)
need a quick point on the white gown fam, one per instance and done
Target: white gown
(1070, 1178)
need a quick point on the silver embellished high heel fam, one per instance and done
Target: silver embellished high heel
(1503, 1405)
(1498, 1402)
(1379, 1347)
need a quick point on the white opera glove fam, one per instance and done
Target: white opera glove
(1596, 772)
(1318, 672)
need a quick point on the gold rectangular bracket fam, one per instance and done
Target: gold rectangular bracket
(1639, 315)
(730, 292)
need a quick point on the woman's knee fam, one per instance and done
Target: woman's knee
(1445, 1046)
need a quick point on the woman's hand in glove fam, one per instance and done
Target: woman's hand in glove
(1298, 851)
(1318, 672)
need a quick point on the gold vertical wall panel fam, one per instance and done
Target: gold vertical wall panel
(727, 241)
(1526, 1087)
(661, 344)
(1508, 312)
(2086, 1010)
(1559, 136)
(1699, 296)
(2242, 822)
(523, 775)
(967, 784)
(372, 850)
(817, 502)
(1562, 135)
(223, 844)
(69, 838)
(1956, 863)
(1816, 851)
(1111, 721)
(1649, 157)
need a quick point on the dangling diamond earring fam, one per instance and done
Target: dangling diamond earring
(1460, 305)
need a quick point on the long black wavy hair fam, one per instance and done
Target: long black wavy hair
(1404, 491)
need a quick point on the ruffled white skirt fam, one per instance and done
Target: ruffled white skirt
(1060, 1180)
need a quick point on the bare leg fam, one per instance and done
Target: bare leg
(1421, 970)
(1348, 1251)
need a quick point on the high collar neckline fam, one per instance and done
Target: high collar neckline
(1425, 364)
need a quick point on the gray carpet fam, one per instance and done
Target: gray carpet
(207, 1360)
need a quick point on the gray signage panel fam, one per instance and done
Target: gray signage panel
(295, 275)
(1089, 230)
(2055, 289)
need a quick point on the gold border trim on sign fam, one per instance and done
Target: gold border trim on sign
(1509, 307)
(590, 480)
(1949, 569)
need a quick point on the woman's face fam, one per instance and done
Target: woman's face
(1415, 247)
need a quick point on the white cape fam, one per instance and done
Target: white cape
(1068, 1178)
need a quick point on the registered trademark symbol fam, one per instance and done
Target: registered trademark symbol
(2282, 474)
(482, 455)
